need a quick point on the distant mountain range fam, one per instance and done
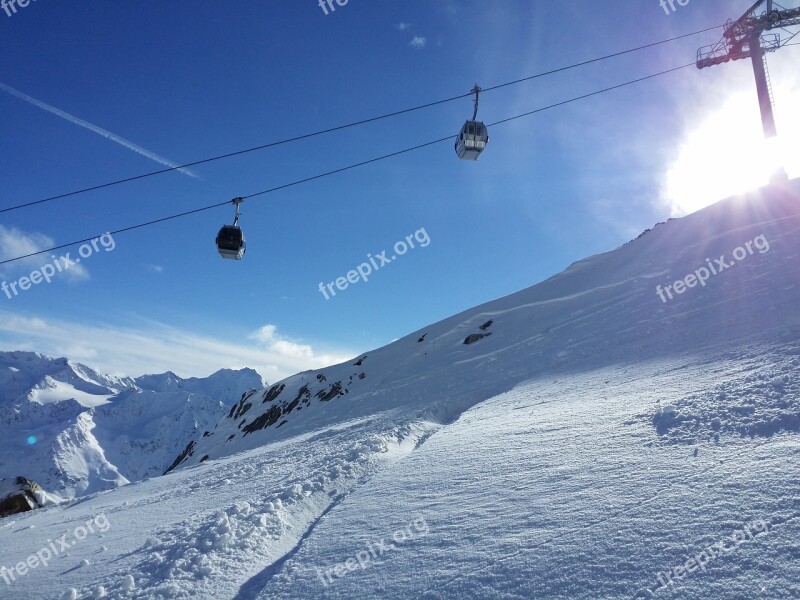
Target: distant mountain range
(76, 431)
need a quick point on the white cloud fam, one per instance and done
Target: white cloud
(403, 26)
(268, 337)
(155, 348)
(264, 335)
(418, 41)
(155, 268)
(14, 243)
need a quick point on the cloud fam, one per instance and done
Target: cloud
(403, 26)
(94, 128)
(152, 347)
(14, 243)
(268, 337)
(418, 41)
(155, 268)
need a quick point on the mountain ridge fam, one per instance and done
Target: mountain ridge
(637, 267)
(76, 431)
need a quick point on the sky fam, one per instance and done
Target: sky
(94, 92)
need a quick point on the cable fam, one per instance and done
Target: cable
(343, 169)
(346, 126)
(232, 154)
(589, 95)
(594, 60)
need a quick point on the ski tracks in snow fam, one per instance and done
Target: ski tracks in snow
(234, 552)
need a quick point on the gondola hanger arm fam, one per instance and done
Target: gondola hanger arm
(476, 90)
(236, 202)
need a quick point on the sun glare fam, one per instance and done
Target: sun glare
(727, 153)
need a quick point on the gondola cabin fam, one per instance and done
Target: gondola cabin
(231, 243)
(472, 140)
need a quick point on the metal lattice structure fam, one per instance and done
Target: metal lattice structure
(747, 37)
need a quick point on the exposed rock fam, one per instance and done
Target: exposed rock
(187, 452)
(20, 494)
(331, 393)
(471, 339)
(268, 418)
(273, 393)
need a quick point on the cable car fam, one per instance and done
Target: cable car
(474, 135)
(230, 239)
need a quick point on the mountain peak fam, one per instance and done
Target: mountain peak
(78, 431)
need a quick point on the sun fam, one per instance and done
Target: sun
(727, 153)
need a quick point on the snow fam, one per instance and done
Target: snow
(56, 391)
(226, 385)
(75, 431)
(593, 446)
(30, 375)
(552, 490)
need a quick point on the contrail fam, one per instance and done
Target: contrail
(98, 130)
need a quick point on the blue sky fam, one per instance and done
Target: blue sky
(181, 81)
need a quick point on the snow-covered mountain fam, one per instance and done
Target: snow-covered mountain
(26, 376)
(609, 309)
(76, 431)
(225, 385)
(608, 433)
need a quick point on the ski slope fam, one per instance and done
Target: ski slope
(593, 441)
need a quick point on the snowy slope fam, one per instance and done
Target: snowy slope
(75, 431)
(29, 376)
(561, 488)
(589, 440)
(142, 431)
(226, 385)
(600, 311)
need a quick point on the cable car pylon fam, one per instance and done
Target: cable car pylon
(745, 38)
